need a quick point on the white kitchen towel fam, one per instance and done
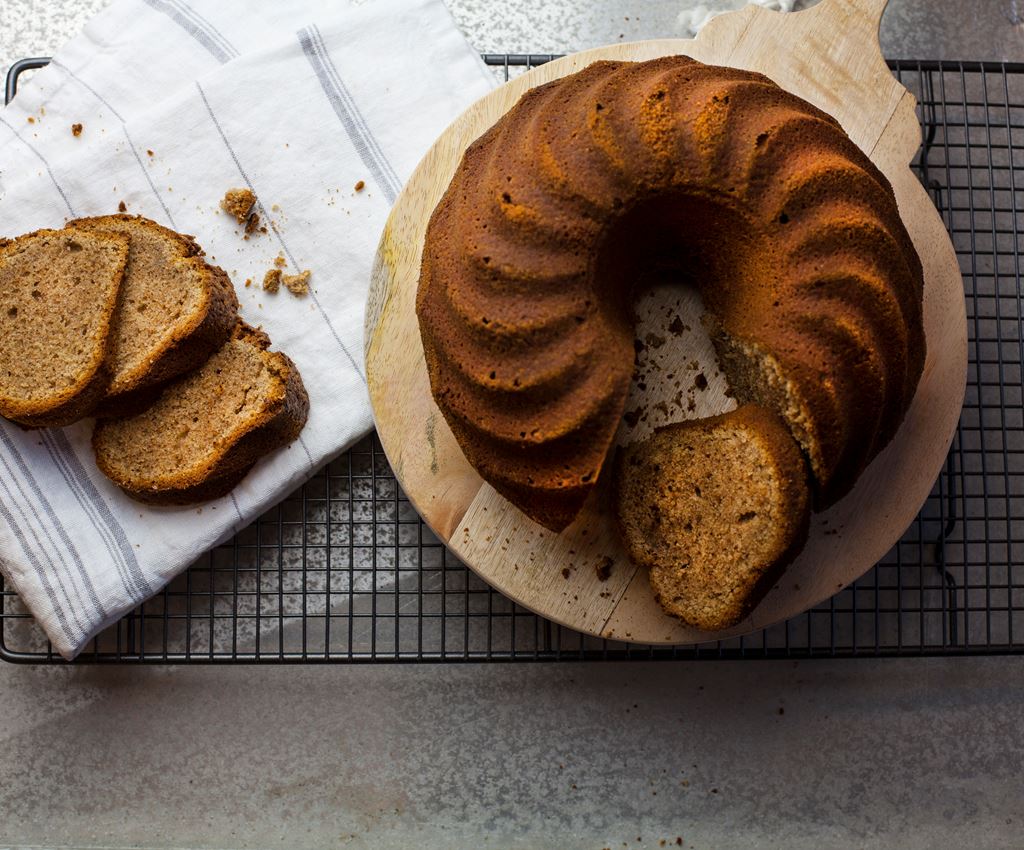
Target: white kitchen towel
(179, 102)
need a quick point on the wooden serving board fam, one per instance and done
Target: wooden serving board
(829, 55)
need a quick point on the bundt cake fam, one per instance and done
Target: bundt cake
(715, 508)
(537, 250)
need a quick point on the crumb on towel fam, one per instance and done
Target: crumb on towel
(238, 202)
(297, 284)
(272, 280)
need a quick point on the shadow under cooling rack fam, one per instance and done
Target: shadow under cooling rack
(343, 570)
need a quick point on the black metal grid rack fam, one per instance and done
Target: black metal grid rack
(343, 570)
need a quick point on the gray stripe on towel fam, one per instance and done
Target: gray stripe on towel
(124, 129)
(40, 569)
(191, 12)
(349, 115)
(357, 114)
(43, 502)
(46, 165)
(56, 63)
(203, 36)
(89, 497)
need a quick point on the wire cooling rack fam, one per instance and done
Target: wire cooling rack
(343, 570)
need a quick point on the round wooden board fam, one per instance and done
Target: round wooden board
(828, 55)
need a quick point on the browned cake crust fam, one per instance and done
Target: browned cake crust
(58, 293)
(248, 401)
(715, 509)
(165, 344)
(531, 262)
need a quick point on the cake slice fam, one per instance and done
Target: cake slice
(207, 429)
(715, 509)
(58, 293)
(175, 310)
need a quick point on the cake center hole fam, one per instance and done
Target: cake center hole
(670, 253)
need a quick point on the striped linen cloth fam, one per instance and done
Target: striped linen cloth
(180, 100)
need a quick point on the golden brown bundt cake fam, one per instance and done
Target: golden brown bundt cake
(532, 261)
(715, 509)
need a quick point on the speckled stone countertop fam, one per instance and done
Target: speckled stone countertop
(912, 753)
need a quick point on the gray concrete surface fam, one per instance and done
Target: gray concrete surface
(908, 753)
(916, 754)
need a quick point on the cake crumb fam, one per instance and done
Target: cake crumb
(360, 185)
(654, 341)
(31, 120)
(676, 327)
(603, 568)
(700, 382)
(252, 223)
(238, 202)
(565, 572)
(248, 282)
(280, 261)
(297, 284)
(272, 280)
(76, 130)
(632, 417)
(149, 152)
(122, 207)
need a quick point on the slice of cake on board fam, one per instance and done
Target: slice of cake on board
(715, 509)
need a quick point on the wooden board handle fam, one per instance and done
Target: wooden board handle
(828, 53)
